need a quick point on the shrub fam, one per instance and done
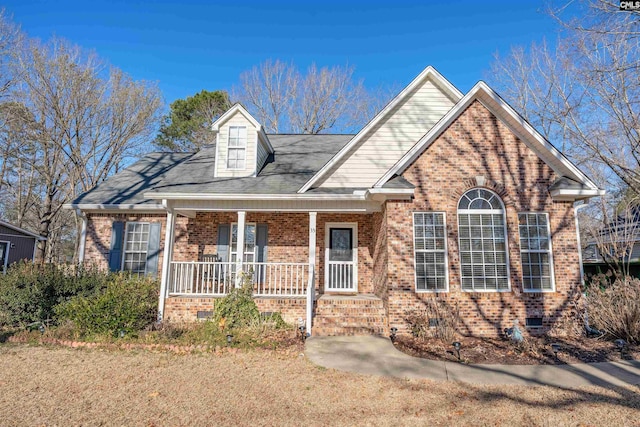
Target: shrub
(128, 303)
(237, 308)
(438, 319)
(29, 292)
(614, 308)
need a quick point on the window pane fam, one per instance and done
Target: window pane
(135, 248)
(482, 242)
(535, 251)
(429, 251)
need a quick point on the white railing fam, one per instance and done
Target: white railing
(286, 279)
(201, 278)
(341, 276)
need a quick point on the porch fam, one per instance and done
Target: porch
(290, 259)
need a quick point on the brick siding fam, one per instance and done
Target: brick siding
(479, 145)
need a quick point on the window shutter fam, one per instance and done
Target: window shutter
(223, 242)
(261, 241)
(115, 252)
(153, 249)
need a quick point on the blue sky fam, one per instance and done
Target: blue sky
(192, 45)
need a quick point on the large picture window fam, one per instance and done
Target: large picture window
(482, 237)
(136, 247)
(430, 251)
(237, 150)
(535, 250)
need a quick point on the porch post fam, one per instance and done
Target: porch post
(311, 290)
(240, 247)
(167, 256)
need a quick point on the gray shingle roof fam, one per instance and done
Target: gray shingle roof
(128, 185)
(297, 158)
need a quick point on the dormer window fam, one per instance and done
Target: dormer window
(237, 149)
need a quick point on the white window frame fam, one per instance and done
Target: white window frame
(446, 254)
(503, 211)
(549, 251)
(124, 246)
(6, 256)
(242, 145)
(255, 249)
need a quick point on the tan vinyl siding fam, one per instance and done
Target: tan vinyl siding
(250, 155)
(262, 156)
(387, 142)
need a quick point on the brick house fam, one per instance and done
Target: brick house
(441, 196)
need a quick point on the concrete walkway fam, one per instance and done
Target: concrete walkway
(377, 356)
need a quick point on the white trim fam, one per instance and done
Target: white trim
(428, 72)
(575, 216)
(255, 250)
(476, 92)
(21, 230)
(83, 236)
(229, 147)
(217, 158)
(167, 256)
(566, 194)
(240, 196)
(124, 244)
(150, 207)
(549, 251)
(242, 216)
(6, 256)
(446, 254)
(236, 108)
(354, 244)
(502, 211)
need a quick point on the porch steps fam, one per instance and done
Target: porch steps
(362, 314)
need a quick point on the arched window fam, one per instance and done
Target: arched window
(482, 237)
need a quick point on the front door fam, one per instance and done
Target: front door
(341, 257)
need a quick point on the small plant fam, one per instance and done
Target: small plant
(237, 308)
(614, 308)
(439, 319)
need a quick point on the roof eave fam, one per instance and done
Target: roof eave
(570, 195)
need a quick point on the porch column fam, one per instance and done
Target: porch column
(167, 256)
(240, 247)
(311, 289)
(83, 237)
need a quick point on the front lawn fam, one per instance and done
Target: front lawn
(48, 386)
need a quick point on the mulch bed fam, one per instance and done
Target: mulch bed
(535, 351)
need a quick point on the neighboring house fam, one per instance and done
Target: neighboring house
(617, 244)
(441, 196)
(16, 244)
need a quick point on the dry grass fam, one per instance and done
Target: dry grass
(60, 386)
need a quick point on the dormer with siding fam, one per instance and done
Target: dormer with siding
(242, 147)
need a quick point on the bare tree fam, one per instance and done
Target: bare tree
(584, 90)
(84, 121)
(321, 100)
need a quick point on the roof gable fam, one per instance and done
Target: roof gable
(514, 121)
(428, 74)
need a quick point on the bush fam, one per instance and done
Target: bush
(237, 309)
(128, 303)
(29, 292)
(439, 319)
(614, 308)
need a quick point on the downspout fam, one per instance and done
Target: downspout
(576, 208)
(590, 331)
(83, 235)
